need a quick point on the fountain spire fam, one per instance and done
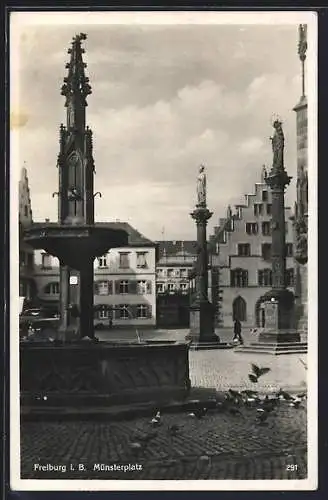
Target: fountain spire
(75, 161)
(76, 86)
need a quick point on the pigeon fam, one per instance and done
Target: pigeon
(155, 421)
(295, 403)
(198, 413)
(284, 395)
(252, 378)
(257, 372)
(235, 394)
(250, 394)
(262, 416)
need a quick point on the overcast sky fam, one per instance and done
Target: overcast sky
(165, 99)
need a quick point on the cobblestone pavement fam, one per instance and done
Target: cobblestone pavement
(222, 369)
(219, 446)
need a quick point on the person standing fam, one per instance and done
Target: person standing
(237, 331)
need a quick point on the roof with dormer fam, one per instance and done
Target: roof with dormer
(179, 248)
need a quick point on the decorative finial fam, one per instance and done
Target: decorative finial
(302, 43)
(302, 48)
(76, 81)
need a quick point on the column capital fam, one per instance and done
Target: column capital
(201, 214)
(278, 180)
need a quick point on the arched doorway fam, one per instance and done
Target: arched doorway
(259, 313)
(239, 309)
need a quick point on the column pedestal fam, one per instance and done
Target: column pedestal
(202, 322)
(279, 335)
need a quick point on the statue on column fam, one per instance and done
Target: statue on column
(201, 186)
(278, 142)
(301, 250)
(301, 217)
(303, 190)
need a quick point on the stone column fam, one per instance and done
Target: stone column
(279, 304)
(64, 299)
(201, 309)
(86, 300)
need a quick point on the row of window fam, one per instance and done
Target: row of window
(172, 273)
(244, 250)
(239, 277)
(172, 287)
(259, 209)
(253, 228)
(103, 262)
(124, 260)
(133, 287)
(124, 311)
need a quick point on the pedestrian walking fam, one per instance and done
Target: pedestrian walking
(237, 331)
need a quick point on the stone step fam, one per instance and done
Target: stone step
(289, 345)
(210, 345)
(262, 348)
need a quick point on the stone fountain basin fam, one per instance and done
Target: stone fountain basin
(97, 374)
(74, 244)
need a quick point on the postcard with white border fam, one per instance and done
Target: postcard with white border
(163, 329)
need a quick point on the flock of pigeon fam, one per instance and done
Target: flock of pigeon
(232, 403)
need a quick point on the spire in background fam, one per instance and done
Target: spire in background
(302, 48)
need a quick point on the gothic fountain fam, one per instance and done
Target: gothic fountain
(76, 370)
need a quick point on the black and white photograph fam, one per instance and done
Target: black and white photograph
(163, 215)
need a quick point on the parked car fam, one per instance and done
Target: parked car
(38, 321)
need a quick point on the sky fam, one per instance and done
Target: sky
(164, 100)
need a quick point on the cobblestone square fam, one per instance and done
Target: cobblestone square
(221, 445)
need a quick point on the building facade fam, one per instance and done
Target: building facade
(243, 244)
(124, 282)
(27, 286)
(175, 281)
(176, 260)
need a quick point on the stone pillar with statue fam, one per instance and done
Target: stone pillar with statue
(201, 309)
(279, 304)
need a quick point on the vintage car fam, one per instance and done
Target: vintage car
(38, 321)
